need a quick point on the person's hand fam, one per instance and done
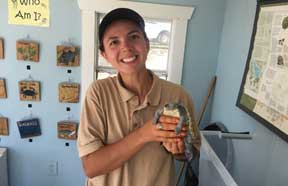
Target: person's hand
(175, 148)
(163, 131)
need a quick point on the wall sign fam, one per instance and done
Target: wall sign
(29, 128)
(29, 12)
(264, 89)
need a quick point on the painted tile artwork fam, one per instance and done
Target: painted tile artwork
(68, 55)
(3, 92)
(67, 130)
(29, 90)
(27, 51)
(1, 48)
(4, 126)
(69, 92)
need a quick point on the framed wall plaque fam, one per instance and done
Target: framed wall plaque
(68, 55)
(264, 90)
(4, 130)
(29, 90)
(29, 128)
(27, 51)
(3, 92)
(69, 92)
(1, 48)
(67, 130)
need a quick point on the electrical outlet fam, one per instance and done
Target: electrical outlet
(52, 168)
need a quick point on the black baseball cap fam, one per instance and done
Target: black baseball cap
(116, 15)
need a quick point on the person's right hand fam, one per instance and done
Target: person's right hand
(150, 132)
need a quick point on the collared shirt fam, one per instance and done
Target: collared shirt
(110, 112)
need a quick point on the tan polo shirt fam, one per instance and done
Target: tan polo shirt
(110, 112)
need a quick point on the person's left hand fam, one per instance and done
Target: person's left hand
(175, 147)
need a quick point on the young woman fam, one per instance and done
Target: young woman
(117, 142)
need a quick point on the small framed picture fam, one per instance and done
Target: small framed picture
(3, 92)
(4, 131)
(67, 130)
(29, 128)
(27, 51)
(69, 92)
(1, 48)
(29, 90)
(68, 55)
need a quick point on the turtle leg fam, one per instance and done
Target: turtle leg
(157, 115)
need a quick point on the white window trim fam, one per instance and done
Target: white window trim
(89, 10)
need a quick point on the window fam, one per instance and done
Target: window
(158, 32)
(178, 16)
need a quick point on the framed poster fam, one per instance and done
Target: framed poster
(264, 89)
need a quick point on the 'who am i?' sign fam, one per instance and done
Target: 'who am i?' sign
(29, 12)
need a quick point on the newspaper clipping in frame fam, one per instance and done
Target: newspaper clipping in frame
(29, 12)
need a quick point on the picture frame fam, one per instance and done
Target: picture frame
(263, 92)
(27, 51)
(67, 130)
(1, 48)
(68, 55)
(29, 127)
(29, 90)
(4, 129)
(3, 91)
(69, 92)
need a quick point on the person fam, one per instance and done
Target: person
(117, 141)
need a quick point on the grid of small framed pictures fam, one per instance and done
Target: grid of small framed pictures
(30, 90)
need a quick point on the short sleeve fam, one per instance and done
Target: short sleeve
(91, 131)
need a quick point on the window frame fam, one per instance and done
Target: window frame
(90, 9)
